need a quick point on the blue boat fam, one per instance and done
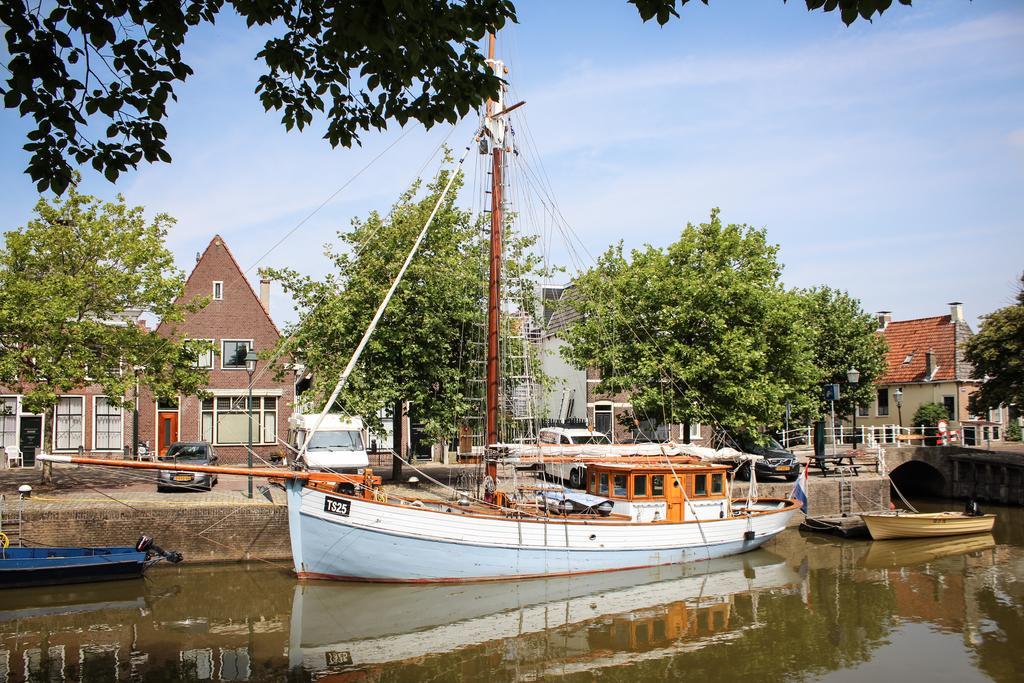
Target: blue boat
(22, 567)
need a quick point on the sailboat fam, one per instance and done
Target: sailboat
(636, 513)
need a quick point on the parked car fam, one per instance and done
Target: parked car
(776, 461)
(200, 453)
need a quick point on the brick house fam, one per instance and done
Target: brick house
(235, 320)
(926, 363)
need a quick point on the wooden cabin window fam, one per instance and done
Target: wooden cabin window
(640, 486)
(657, 485)
(717, 483)
(603, 486)
(619, 485)
(700, 484)
(593, 483)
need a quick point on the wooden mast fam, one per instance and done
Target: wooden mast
(497, 128)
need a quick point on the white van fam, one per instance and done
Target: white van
(572, 473)
(339, 445)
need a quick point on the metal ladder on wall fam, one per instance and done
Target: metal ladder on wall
(845, 495)
(10, 525)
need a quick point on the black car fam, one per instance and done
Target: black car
(776, 461)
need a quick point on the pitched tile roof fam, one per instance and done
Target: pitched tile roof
(909, 342)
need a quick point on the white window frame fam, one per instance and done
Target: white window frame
(95, 415)
(864, 409)
(16, 416)
(259, 414)
(218, 290)
(56, 420)
(212, 354)
(224, 355)
(996, 415)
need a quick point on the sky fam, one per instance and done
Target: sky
(885, 159)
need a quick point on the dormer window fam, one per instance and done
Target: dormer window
(218, 290)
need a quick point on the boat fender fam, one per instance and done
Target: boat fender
(417, 503)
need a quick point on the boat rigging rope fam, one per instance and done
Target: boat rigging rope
(686, 501)
(898, 493)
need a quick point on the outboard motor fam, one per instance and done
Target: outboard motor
(146, 545)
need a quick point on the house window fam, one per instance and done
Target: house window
(603, 418)
(232, 353)
(863, 411)
(225, 420)
(883, 402)
(8, 421)
(69, 423)
(947, 402)
(995, 415)
(205, 357)
(218, 290)
(107, 425)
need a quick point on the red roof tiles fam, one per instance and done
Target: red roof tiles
(909, 342)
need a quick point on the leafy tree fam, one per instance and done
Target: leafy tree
(73, 282)
(702, 330)
(930, 414)
(997, 354)
(96, 77)
(420, 351)
(844, 337)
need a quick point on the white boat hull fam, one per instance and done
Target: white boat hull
(375, 541)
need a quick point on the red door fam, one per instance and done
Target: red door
(166, 431)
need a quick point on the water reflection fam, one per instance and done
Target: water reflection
(811, 606)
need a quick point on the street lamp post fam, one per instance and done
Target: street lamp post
(250, 367)
(853, 376)
(898, 395)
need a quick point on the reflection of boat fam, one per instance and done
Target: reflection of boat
(41, 601)
(901, 553)
(329, 630)
(926, 524)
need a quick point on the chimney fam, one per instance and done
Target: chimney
(929, 364)
(956, 312)
(884, 318)
(265, 293)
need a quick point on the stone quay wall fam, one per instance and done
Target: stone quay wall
(221, 532)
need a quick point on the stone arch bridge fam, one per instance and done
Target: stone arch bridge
(955, 472)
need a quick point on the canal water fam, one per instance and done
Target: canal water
(808, 608)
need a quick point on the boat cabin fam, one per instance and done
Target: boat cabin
(658, 492)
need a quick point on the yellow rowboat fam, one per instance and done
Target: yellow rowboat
(925, 524)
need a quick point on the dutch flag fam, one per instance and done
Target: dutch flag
(800, 488)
